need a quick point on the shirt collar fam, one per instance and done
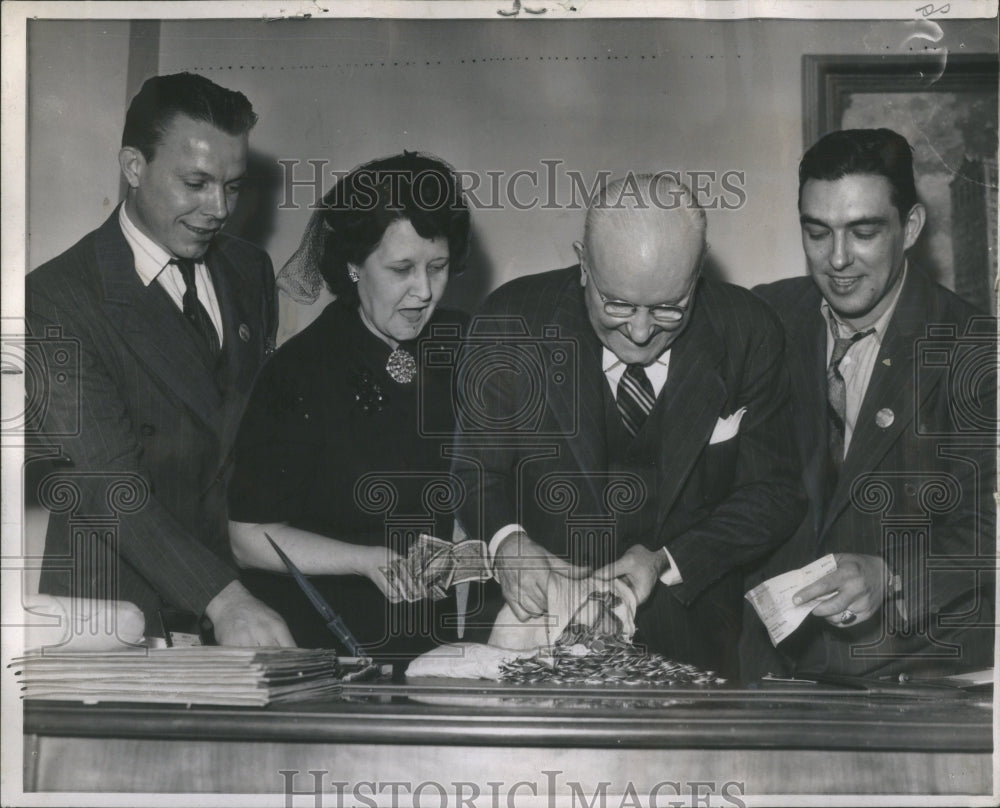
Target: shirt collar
(150, 257)
(609, 361)
(879, 326)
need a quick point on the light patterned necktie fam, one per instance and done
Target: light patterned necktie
(836, 392)
(635, 397)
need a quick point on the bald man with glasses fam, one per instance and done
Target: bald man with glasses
(661, 450)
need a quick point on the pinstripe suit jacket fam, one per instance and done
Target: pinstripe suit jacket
(142, 403)
(915, 486)
(717, 507)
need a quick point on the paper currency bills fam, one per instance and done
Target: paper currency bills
(436, 565)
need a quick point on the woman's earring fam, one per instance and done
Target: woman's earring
(352, 273)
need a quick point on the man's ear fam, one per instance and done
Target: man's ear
(578, 247)
(913, 225)
(132, 164)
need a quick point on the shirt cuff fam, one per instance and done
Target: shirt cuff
(499, 538)
(894, 593)
(671, 575)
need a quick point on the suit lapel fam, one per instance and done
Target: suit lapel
(686, 410)
(806, 359)
(243, 328)
(691, 402)
(152, 326)
(236, 332)
(891, 391)
(579, 408)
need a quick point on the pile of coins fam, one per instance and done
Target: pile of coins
(588, 655)
(592, 651)
(605, 660)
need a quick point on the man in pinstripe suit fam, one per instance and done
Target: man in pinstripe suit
(172, 319)
(660, 451)
(894, 403)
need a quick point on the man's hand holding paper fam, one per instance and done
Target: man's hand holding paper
(778, 600)
(851, 593)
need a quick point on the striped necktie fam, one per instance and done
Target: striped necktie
(635, 397)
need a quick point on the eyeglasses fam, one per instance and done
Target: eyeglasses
(666, 314)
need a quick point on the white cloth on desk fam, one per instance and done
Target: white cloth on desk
(58, 623)
(568, 599)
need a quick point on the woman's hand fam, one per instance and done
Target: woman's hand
(377, 564)
(315, 554)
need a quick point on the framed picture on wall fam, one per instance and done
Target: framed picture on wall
(946, 106)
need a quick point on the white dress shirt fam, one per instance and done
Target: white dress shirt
(152, 263)
(858, 363)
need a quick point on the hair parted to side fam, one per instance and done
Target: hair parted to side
(411, 186)
(879, 152)
(617, 203)
(162, 98)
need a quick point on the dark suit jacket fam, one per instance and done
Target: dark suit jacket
(142, 407)
(539, 397)
(916, 491)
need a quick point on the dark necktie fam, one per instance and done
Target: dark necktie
(836, 389)
(193, 308)
(635, 397)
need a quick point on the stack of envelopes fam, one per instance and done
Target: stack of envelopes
(196, 675)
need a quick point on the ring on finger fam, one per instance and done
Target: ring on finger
(847, 617)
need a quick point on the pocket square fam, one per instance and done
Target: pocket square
(726, 428)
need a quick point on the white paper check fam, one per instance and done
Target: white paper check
(773, 598)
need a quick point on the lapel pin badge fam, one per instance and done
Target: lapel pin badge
(244, 332)
(884, 418)
(887, 362)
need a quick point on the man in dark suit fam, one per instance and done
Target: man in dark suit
(172, 319)
(894, 404)
(634, 422)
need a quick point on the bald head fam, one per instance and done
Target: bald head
(646, 219)
(643, 244)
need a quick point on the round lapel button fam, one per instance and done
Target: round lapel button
(884, 418)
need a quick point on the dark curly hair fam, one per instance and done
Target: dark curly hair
(415, 187)
(881, 152)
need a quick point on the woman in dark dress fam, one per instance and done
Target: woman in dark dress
(339, 456)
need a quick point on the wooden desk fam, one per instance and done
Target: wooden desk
(783, 740)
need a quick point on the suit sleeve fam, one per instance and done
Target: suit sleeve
(486, 466)
(276, 451)
(89, 415)
(958, 554)
(765, 502)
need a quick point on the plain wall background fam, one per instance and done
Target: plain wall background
(77, 97)
(485, 95)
